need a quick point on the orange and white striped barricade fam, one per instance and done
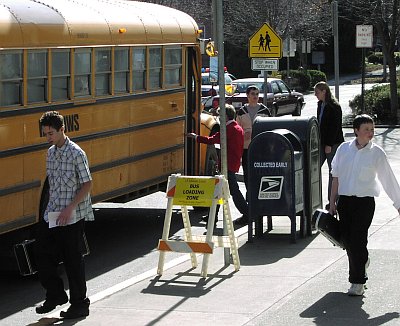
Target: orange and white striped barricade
(204, 192)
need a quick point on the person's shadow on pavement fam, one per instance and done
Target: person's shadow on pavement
(337, 308)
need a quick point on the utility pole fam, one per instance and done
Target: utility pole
(219, 24)
(335, 27)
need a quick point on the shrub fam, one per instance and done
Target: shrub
(375, 58)
(376, 103)
(316, 76)
(299, 79)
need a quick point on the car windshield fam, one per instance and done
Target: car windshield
(242, 87)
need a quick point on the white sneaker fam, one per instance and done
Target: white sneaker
(356, 289)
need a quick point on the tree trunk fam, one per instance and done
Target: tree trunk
(394, 102)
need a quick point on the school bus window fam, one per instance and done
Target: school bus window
(121, 68)
(83, 72)
(60, 87)
(155, 67)
(173, 66)
(37, 76)
(10, 78)
(139, 69)
(103, 71)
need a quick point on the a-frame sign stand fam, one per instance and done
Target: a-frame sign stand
(198, 191)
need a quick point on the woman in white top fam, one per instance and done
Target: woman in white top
(356, 168)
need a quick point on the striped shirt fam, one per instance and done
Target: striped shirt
(67, 169)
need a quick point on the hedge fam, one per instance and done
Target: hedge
(376, 103)
(299, 79)
(316, 76)
(303, 80)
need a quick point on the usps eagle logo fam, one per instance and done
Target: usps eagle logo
(270, 187)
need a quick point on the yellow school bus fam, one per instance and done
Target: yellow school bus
(126, 77)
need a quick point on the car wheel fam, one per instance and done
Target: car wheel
(274, 111)
(297, 110)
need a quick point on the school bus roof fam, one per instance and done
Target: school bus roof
(52, 23)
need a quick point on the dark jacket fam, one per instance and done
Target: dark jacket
(331, 124)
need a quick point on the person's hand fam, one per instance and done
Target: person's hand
(65, 216)
(247, 135)
(191, 135)
(332, 208)
(328, 149)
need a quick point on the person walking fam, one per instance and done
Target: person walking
(245, 118)
(329, 116)
(235, 140)
(69, 182)
(356, 169)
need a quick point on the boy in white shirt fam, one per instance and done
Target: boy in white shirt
(356, 168)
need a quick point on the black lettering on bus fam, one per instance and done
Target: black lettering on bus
(68, 122)
(76, 122)
(71, 123)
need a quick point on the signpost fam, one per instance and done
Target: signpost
(364, 37)
(265, 43)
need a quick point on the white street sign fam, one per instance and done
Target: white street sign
(364, 36)
(258, 64)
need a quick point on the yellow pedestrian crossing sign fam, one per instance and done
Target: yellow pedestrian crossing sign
(265, 43)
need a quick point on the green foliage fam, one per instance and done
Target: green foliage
(375, 58)
(316, 76)
(299, 79)
(376, 103)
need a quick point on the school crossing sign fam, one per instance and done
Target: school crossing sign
(265, 43)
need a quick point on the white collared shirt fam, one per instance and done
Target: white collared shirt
(361, 172)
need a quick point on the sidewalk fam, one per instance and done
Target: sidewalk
(278, 283)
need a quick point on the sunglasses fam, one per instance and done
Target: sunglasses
(253, 93)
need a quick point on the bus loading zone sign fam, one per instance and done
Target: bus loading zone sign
(270, 187)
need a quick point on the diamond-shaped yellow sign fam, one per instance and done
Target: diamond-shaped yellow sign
(265, 43)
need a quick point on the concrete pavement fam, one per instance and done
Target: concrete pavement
(279, 283)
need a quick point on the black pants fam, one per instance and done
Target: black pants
(236, 194)
(355, 214)
(63, 243)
